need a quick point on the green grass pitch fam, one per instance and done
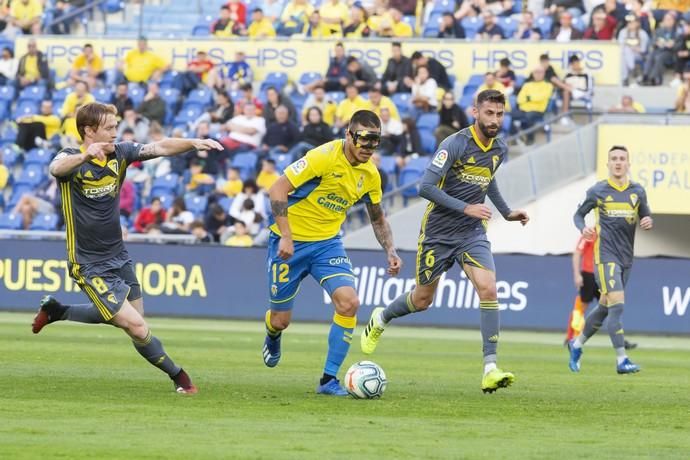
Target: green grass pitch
(78, 391)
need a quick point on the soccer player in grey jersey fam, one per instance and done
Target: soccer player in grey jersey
(618, 204)
(456, 182)
(90, 180)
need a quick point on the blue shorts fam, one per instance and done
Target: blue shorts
(326, 261)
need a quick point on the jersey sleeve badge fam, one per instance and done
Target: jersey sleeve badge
(440, 158)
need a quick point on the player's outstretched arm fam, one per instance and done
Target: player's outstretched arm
(278, 194)
(175, 146)
(63, 164)
(384, 235)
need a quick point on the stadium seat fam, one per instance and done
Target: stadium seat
(309, 77)
(26, 108)
(112, 6)
(509, 26)
(165, 185)
(402, 103)
(428, 140)
(408, 176)
(32, 93)
(203, 96)
(167, 79)
(18, 190)
(201, 30)
(6, 94)
(39, 157)
(225, 203)
(388, 164)
(336, 96)
(544, 23)
(278, 80)
(166, 200)
(136, 93)
(46, 222)
(428, 121)
(282, 160)
(102, 95)
(507, 124)
(196, 204)
(10, 221)
(471, 26)
(10, 155)
(444, 6)
(246, 164)
(31, 175)
(466, 101)
(188, 114)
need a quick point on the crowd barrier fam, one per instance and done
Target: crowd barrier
(534, 292)
(296, 56)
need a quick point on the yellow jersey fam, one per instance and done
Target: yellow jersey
(348, 107)
(51, 122)
(386, 103)
(265, 180)
(23, 12)
(326, 186)
(140, 66)
(4, 176)
(263, 28)
(72, 103)
(81, 63)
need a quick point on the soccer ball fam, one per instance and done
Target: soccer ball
(365, 380)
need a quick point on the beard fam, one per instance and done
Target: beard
(488, 131)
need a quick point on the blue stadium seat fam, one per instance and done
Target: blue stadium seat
(26, 108)
(471, 26)
(475, 80)
(282, 160)
(10, 155)
(32, 93)
(428, 121)
(203, 96)
(18, 190)
(201, 30)
(102, 95)
(428, 140)
(246, 164)
(166, 200)
(31, 175)
(46, 222)
(39, 157)
(165, 185)
(136, 93)
(388, 164)
(509, 26)
(336, 96)
(309, 77)
(507, 124)
(225, 203)
(196, 204)
(411, 20)
(544, 23)
(188, 114)
(7, 93)
(466, 101)
(276, 79)
(419, 164)
(444, 6)
(402, 102)
(112, 6)
(10, 221)
(171, 96)
(409, 176)
(579, 23)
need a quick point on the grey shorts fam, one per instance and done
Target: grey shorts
(434, 258)
(611, 277)
(108, 283)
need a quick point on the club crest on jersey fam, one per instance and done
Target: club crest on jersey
(299, 166)
(633, 198)
(274, 290)
(495, 160)
(360, 182)
(114, 166)
(440, 158)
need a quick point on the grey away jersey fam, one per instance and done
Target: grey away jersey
(617, 211)
(466, 168)
(91, 204)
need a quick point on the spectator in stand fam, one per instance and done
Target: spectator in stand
(506, 75)
(423, 92)
(317, 28)
(334, 13)
(240, 237)
(476, 7)
(261, 26)
(220, 113)
(224, 26)
(141, 64)
(274, 99)
(681, 50)
(281, 134)
(40, 201)
(272, 9)
(315, 132)
(550, 76)
(150, 218)
(121, 99)
(555, 7)
(490, 30)
(238, 11)
(246, 131)
(526, 29)
(139, 125)
(377, 102)
(348, 106)
(200, 182)
(247, 98)
(603, 27)
(80, 96)
(8, 66)
(628, 105)
(45, 125)
(268, 174)
(613, 8)
(26, 16)
(391, 133)
(660, 54)
(238, 72)
(153, 107)
(295, 15)
(336, 75)
(563, 30)
(406, 7)
(533, 100)
(319, 100)
(411, 143)
(491, 82)
(580, 85)
(436, 70)
(683, 93)
(233, 183)
(452, 118)
(449, 27)
(4, 178)
(357, 27)
(127, 198)
(249, 191)
(397, 69)
(217, 222)
(178, 219)
(33, 68)
(637, 8)
(360, 74)
(88, 67)
(199, 70)
(634, 41)
(202, 236)
(394, 26)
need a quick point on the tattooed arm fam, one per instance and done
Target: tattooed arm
(278, 195)
(384, 235)
(174, 146)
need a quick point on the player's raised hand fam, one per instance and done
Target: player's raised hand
(646, 223)
(518, 215)
(478, 211)
(207, 144)
(589, 233)
(394, 264)
(99, 150)
(286, 248)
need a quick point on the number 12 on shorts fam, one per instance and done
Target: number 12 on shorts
(280, 273)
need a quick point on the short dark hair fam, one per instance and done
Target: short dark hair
(618, 147)
(196, 224)
(398, 44)
(573, 58)
(155, 198)
(225, 7)
(491, 95)
(88, 45)
(416, 55)
(270, 161)
(257, 10)
(365, 118)
(351, 59)
(505, 62)
(544, 57)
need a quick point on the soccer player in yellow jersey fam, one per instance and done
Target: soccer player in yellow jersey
(309, 204)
